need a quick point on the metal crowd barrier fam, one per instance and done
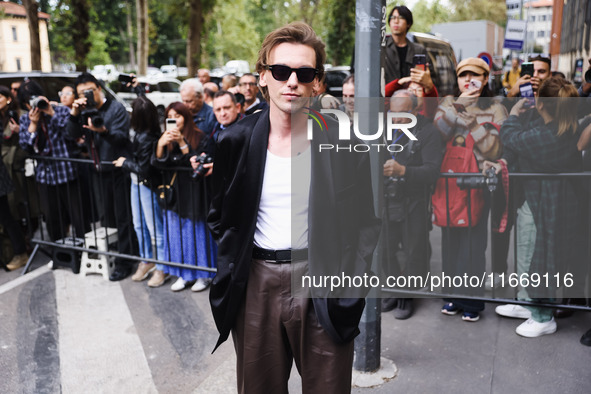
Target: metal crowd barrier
(91, 200)
(582, 182)
(86, 202)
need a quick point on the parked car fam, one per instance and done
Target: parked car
(334, 77)
(53, 82)
(105, 72)
(161, 91)
(442, 61)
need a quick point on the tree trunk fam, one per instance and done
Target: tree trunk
(194, 37)
(31, 8)
(142, 36)
(130, 36)
(80, 33)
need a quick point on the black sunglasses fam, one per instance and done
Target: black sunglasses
(282, 73)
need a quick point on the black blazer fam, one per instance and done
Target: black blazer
(342, 234)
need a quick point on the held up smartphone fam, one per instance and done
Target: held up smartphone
(527, 68)
(125, 78)
(527, 92)
(459, 107)
(170, 124)
(475, 84)
(419, 61)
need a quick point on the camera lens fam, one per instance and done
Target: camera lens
(588, 76)
(42, 104)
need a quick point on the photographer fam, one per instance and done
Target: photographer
(409, 176)
(186, 238)
(42, 132)
(104, 125)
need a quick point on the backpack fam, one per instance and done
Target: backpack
(457, 159)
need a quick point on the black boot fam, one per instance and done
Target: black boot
(388, 304)
(404, 309)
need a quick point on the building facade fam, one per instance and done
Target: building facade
(15, 43)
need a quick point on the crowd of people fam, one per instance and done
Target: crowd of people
(157, 183)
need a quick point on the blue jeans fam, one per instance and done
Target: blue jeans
(147, 222)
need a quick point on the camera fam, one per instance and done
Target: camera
(393, 187)
(489, 180)
(90, 110)
(200, 171)
(38, 102)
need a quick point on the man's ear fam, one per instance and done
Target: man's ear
(263, 78)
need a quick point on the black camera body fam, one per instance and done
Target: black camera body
(200, 171)
(489, 180)
(12, 114)
(38, 102)
(125, 78)
(394, 188)
(90, 110)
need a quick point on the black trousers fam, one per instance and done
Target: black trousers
(61, 207)
(116, 210)
(11, 227)
(408, 243)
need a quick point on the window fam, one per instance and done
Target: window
(18, 64)
(541, 34)
(169, 87)
(543, 18)
(14, 36)
(532, 18)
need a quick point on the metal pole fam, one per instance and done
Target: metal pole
(370, 25)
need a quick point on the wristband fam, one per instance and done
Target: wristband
(184, 146)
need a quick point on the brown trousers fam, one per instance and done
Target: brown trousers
(273, 328)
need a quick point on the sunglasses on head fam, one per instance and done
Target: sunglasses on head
(282, 73)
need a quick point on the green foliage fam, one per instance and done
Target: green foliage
(231, 34)
(472, 10)
(99, 50)
(341, 34)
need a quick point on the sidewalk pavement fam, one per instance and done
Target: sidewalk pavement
(62, 332)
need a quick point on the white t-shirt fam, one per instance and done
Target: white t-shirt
(282, 219)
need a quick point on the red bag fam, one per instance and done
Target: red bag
(457, 159)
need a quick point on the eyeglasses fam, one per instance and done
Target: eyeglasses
(66, 94)
(395, 18)
(282, 73)
(249, 84)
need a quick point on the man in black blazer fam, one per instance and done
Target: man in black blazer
(274, 225)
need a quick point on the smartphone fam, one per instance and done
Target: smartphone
(527, 68)
(170, 124)
(419, 61)
(475, 84)
(459, 107)
(527, 92)
(125, 78)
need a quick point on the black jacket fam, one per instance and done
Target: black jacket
(392, 70)
(110, 145)
(342, 228)
(139, 162)
(190, 195)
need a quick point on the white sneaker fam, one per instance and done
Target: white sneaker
(495, 283)
(179, 285)
(531, 328)
(512, 310)
(201, 284)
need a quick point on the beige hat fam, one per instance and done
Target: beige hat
(474, 64)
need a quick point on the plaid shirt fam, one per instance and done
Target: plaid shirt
(49, 172)
(534, 147)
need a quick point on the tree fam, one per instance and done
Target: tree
(341, 35)
(142, 35)
(32, 9)
(80, 30)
